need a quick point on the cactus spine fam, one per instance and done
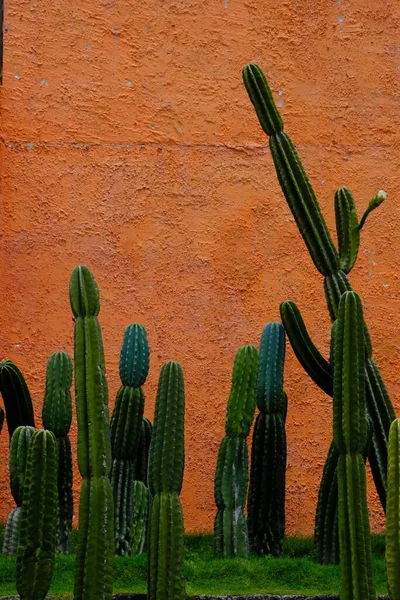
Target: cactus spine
(56, 417)
(393, 513)
(350, 432)
(332, 264)
(19, 447)
(230, 486)
(166, 464)
(93, 577)
(126, 428)
(266, 504)
(16, 396)
(37, 540)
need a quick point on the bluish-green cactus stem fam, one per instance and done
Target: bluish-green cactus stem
(135, 356)
(270, 397)
(393, 513)
(16, 397)
(126, 422)
(37, 539)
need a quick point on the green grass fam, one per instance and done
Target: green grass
(295, 573)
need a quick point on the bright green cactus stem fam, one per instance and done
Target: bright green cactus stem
(126, 430)
(39, 513)
(332, 264)
(56, 417)
(166, 464)
(266, 504)
(230, 485)
(94, 562)
(393, 513)
(16, 397)
(350, 432)
(19, 447)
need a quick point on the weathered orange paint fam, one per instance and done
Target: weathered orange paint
(129, 144)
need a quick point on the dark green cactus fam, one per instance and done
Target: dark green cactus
(56, 417)
(19, 448)
(39, 513)
(126, 430)
(350, 432)
(16, 397)
(302, 202)
(392, 513)
(140, 513)
(266, 504)
(230, 485)
(142, 459)
(94, 562)
(1, 419)
(166, 464)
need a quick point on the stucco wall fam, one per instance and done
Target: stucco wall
(129, 144)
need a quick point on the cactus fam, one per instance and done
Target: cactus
(140, 513)
(1, 419)
(392, 513)
(19, 447)
(94, 561)
(56, 417)
(142, 458)
(266, 504)
(350, 432)
(166, 465)
(37, 540)
(333, 265)
(16, 397)
(230, 486)
(126, 429)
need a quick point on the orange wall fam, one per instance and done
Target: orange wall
(129, 144)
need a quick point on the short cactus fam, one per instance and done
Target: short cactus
(266, 504)
(16, 397)
(56, 417)
(392, 513)
(166, 465)
(39, 513)
(94, 562)
(230, 485)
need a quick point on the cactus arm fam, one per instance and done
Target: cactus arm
(393, 513)
(16, 397)
(348, 232)
(308, 355)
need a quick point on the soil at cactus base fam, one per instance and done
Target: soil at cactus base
(292, 577)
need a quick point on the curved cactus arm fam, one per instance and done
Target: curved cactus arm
(393, 513)
(292, 177)
(308, 355)
(374, 203)
(16, 397)
(347, 229)
(242, 399)
(270, 396)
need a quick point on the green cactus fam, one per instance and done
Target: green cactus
(57, 417)
(166, 465)
(230, 485)
(140, 513)
(16, 397)
(330, 263)
(142, 459)
(94, 562)
(37, 540)
(392, 513)
(266, 503)
(126, 429)
(350, 432)
(19, 447)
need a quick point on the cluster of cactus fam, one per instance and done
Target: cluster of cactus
(141, 494)
(56, 417)
(16, 397)
(19, 447)
(334, 265)
(393, 513)
(231, 476)
(126, 429)
(39, 514)
(166, 465)
(350, 433)
(94, 562)
(266, 504)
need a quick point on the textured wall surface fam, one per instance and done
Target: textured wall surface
(129, 144)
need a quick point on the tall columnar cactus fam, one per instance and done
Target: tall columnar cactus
(393, 513)
(332, 264)
(350, 432)
(37, 540)
(166, 464)
(141, 494)
(230, 485)
(19, 447)
(56, 417)
(94, 565)
(16, 397)
(126, 429)
(266, 504)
